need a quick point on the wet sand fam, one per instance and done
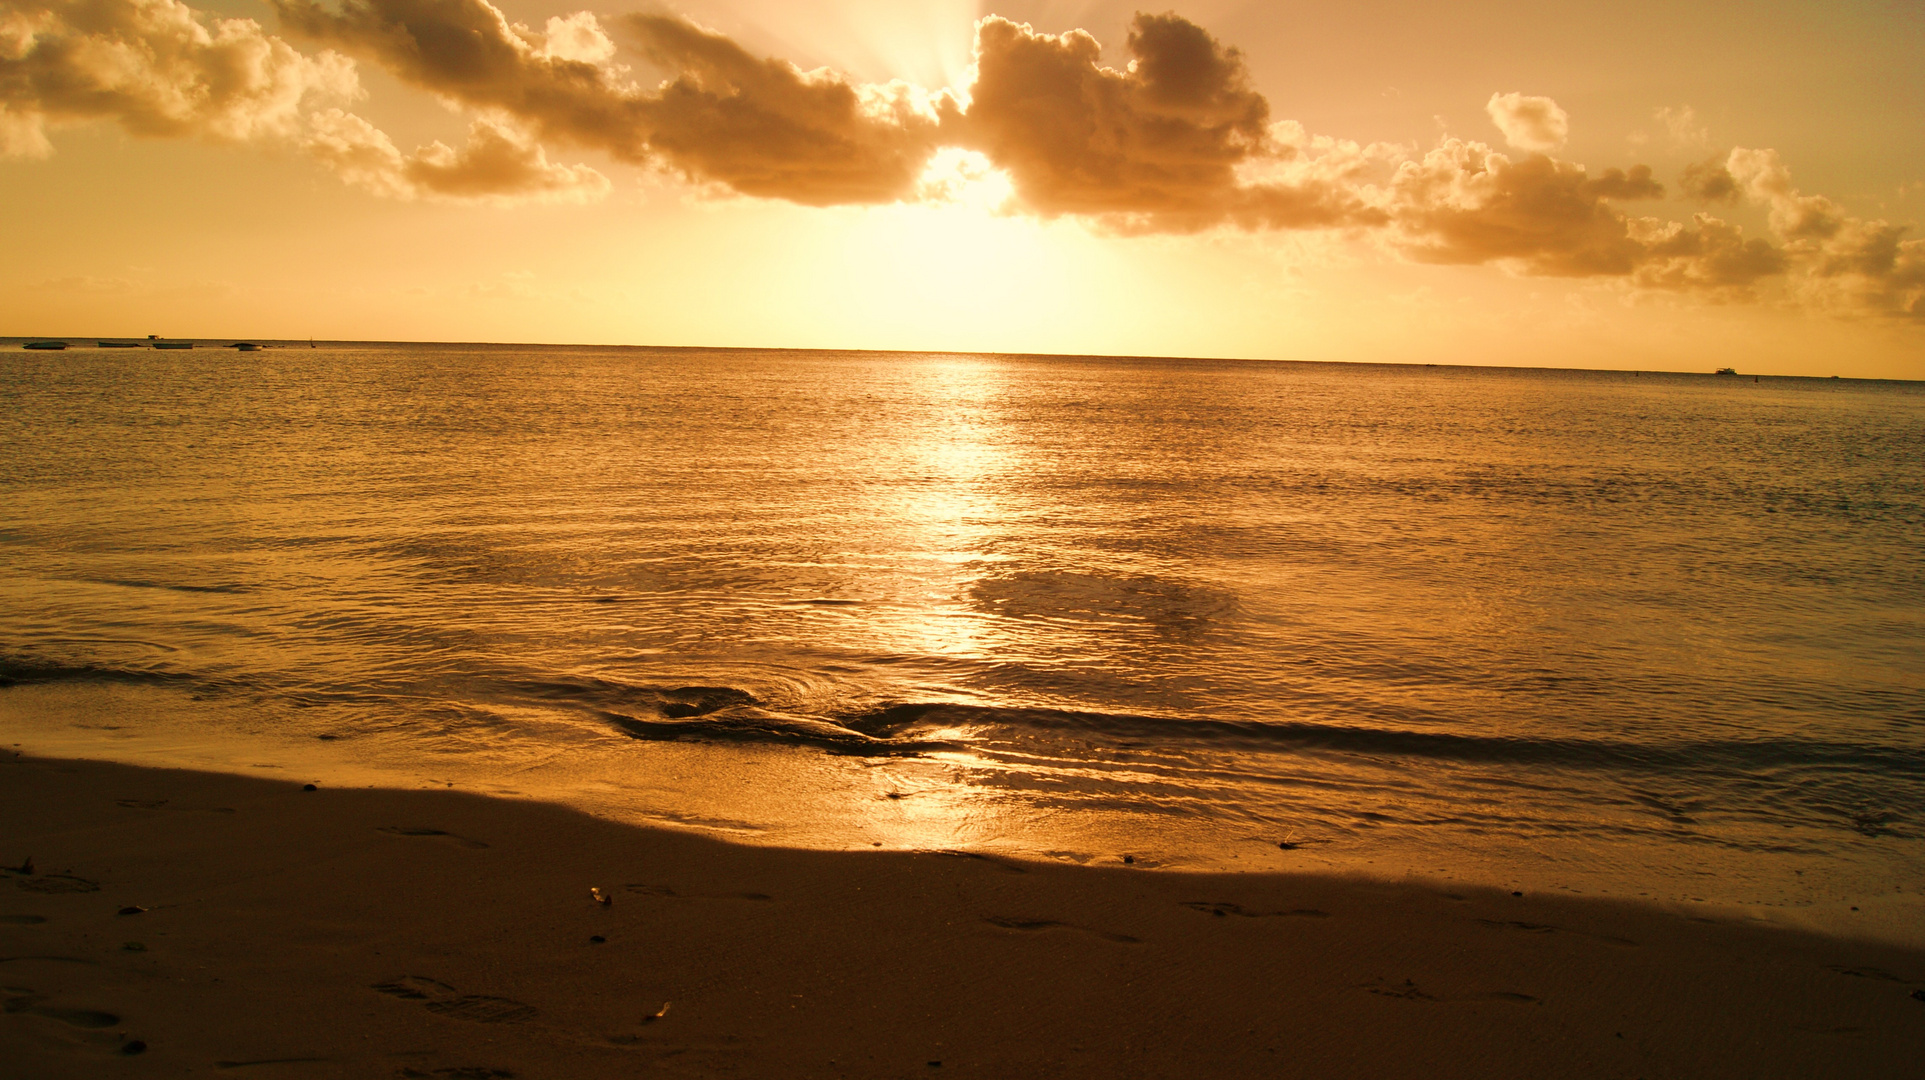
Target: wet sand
(228, 925)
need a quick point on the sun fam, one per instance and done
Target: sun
(962, 178)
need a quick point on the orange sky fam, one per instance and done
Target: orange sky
(1678, 186)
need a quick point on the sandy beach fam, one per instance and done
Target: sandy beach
(178, 923)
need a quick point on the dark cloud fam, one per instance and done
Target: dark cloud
(1625, 185)
(1465, 203)
(764, 127)
(1313, 203)
(1885, 272)
(1714, 257)
(1163, 137)
(761, 126)
(468, 52)
(1709, 181)
(494, 162)
(1156, 146)
(1868, 267)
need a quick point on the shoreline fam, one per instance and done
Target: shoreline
(781, 797)
(380, 932)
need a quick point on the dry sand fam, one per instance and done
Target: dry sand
(370, 933)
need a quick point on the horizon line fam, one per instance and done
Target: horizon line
(85, 341)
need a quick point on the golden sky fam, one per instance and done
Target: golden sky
(1644, 185)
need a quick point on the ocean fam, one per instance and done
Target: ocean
(1658, 636)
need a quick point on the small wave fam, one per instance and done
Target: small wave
(731, 713)
(727, 713)
(129, 583)
(987, 723)
(748, 723)
(19, 671)
(611, 695)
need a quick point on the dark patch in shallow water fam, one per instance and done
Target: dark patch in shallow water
(132, 584)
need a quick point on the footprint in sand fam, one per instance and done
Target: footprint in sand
(22, 920)
(1542, 928)
(22, 1000)
(1869, 973)
(483, 1009)
(57, 883)
(415, 988)
(1409, 991)
(1034, 925)
(1222, 908)
(952, 853)
(1406, 990)
(161, 804)
(665, 891)
(445, 1000)
(80, 1018)
(404, 830)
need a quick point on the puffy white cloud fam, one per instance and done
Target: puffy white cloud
(1529, 123)
(1759, 174)
(1682, 125)
(498, 164)
(577, 37)
(1849, 264)
(157, 68)
(1464, 202)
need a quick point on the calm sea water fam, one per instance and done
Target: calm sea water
(1656, 635)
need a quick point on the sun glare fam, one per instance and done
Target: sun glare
(965, 178)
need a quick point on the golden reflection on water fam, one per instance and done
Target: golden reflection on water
(957, 514)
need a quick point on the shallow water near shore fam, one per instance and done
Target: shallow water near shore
(1648, 635)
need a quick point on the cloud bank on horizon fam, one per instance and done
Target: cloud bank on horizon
(1178, 140)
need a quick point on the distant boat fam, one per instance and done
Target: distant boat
(1726, 371)
(119, 344)
(245, 346)
(173, 344)
(45, 345)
